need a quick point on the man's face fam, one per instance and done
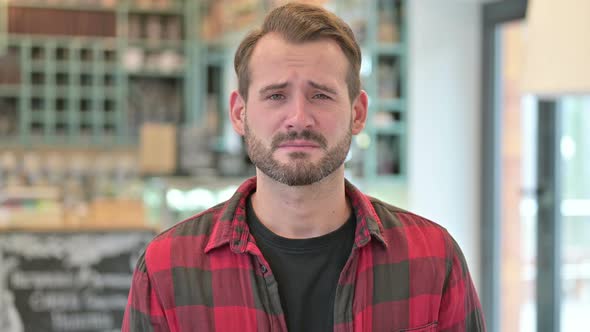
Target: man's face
(298, 119)
(300, 170)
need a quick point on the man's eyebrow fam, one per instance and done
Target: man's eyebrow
(322, 87)
(271, 87)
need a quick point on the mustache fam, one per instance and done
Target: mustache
(307, 134)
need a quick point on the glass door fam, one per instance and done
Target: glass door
(535, 191)
(575, 212)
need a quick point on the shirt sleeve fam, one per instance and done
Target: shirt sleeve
(144, 311)
(460, 309)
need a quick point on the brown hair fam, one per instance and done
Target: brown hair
(297, 23)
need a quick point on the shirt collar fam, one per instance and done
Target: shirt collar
(231, 226)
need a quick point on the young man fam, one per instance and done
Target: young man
(298, 248)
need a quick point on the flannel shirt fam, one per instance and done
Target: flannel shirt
(405, 273)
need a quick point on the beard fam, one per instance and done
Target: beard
(299, 171)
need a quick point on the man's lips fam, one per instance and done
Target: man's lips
(306, 139)
(299, 144)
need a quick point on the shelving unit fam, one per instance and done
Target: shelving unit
(95, 80)
(152, 61)
(386, 127)
(379, 153)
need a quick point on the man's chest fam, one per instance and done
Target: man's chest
(243, 294)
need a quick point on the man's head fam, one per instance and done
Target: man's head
(298, 23)
(296, 105)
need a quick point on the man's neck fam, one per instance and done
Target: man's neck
(302, 211)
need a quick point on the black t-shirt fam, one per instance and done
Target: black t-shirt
(306, 271)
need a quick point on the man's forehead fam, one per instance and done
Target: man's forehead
(274, 44)
(273, 53)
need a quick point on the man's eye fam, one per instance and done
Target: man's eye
(321, 96)
(276, 96)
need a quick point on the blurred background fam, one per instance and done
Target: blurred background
(114, 127)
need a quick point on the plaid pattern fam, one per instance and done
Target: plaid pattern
(405, 273)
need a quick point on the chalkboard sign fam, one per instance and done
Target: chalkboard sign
(66, 281)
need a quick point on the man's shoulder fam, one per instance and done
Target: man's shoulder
(197, 225)
(410, 235)
(412, 224)
(191, 234)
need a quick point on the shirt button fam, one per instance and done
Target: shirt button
(263, 268)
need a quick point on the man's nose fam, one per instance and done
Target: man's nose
(300, 114)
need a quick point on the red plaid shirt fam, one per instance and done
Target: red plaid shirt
(404, 273)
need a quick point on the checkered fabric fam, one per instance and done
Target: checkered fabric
(405, 273)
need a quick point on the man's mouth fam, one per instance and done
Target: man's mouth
(299, 144)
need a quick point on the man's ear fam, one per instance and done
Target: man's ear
(237, 112)
(359, 112)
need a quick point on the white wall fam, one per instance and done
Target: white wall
(444, 120)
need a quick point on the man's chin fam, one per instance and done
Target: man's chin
(298, 174)
(297, 166)
(296, 156)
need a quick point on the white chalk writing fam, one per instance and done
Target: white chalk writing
(105, 302)
(81, 321)
(41, 279)
(48, 301)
